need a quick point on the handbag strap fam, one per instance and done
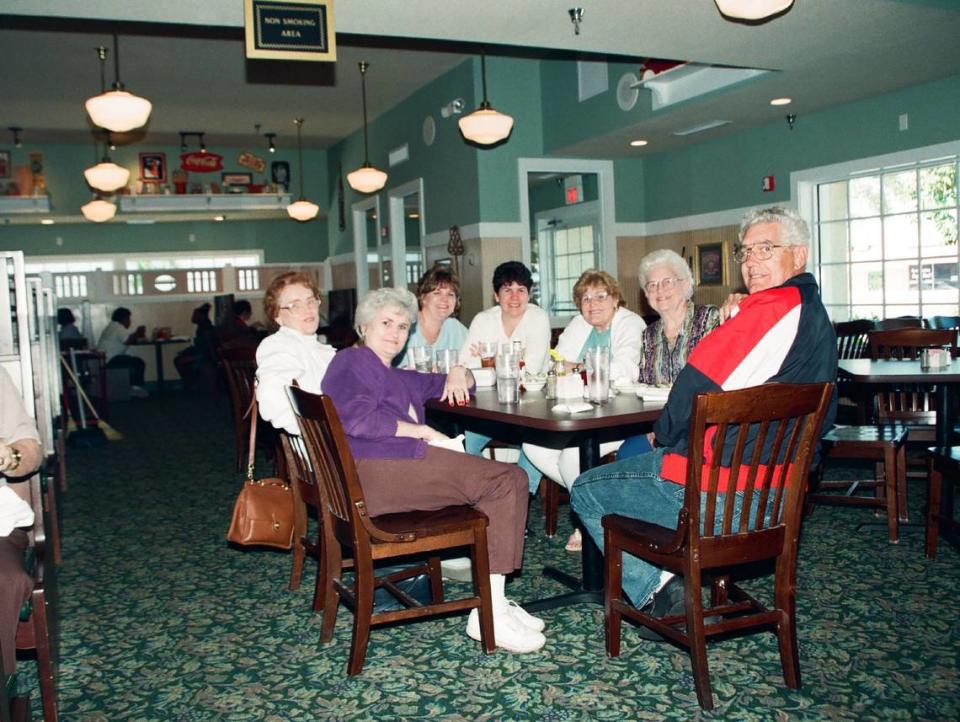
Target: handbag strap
(252, 415)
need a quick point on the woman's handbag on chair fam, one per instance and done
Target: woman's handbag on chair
(263, 513)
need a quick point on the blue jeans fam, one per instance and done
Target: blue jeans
(474, 443)
(633, 488)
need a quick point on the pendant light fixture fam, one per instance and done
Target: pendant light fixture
(98, 210)
(302, 209)
(116, 110)
(106, 175)
(752, 9)
(366, 178)
(485, 126)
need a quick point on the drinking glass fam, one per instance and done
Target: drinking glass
(423, 359)
(508, 378)
(598, 374)
(488, 354)
(447, 358)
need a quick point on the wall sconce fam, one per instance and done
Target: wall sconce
(576, 17)
(454, 107)
(791, 119)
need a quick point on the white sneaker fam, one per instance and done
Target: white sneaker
(457, 569)
(524, 617)
(138, 392)
(508, 633)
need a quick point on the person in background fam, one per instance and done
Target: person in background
(242, 312)
(604, 320)
(668, 284)
(20, 456)
(68, 327)
(513, 318)
(293, 352)
(383, 415)
(780, 332)
(196, 364)
(114, 341)
(438, 295)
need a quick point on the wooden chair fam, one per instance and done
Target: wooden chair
(944, 465)
(785, 419)
(941, 322)
(906, 343)
(240, 367)
(370, 539)
(37, 630)
(852, 338)
(890, 324)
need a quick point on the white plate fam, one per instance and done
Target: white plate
(485, 377)
(627, 388)
(534, 385)
(652, 393)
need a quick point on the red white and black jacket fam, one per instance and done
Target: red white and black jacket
(781, 335)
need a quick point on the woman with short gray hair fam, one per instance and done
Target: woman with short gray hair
(401, 465)
(667, 342)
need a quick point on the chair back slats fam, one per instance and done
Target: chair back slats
(761, 441)
(852, 338)
(906, 343)
(891, 324)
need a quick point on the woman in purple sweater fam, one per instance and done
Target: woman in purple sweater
(382, 412)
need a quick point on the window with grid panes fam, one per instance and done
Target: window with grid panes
(888, 242)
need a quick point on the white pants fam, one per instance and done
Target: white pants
(562, 465)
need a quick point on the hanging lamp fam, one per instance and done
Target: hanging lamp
(117, 109)
(106, 175)
(366, 178)
(485, 126)
(302, 209)
(98, 210)
(752, 9)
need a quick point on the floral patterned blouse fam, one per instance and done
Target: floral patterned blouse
(659, 362)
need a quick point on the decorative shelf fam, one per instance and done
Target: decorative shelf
(204, 202)
(691, 80)
(24, 204)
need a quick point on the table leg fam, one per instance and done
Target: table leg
(945, 423)
(159, 351)
(590, 589)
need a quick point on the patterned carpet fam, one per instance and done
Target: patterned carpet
(160, 620)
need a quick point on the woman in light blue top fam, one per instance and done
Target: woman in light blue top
(438, 295)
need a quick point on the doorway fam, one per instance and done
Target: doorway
(407, 230)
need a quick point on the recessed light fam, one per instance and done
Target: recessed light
(219, 218)
(639, 143)
(47, 222)
(781, 101)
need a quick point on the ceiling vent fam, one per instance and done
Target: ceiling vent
(700, 127)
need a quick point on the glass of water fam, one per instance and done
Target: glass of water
(423, 359)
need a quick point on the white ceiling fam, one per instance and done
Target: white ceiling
(187, 57)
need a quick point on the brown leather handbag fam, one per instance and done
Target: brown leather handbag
(263, 513)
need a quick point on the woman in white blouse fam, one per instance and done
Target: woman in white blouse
(603, 321)
(293, 352)
(513, 319)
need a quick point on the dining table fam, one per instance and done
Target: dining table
(534, 419)
(158, 344)
(946, 384)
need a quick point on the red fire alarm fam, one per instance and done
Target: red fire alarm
(769, 183)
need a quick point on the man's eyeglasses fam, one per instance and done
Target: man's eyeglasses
(664, 284)
(759, 251)
(599, 297)
(301, 305)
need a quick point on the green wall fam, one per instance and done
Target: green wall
(727, 173)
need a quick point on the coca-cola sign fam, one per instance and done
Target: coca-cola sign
(197, 162)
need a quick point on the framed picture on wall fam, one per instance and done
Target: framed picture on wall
(153, 167)
(709, 264)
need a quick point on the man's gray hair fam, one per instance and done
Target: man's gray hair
(794, 230)
(665, 257)
(374, 302)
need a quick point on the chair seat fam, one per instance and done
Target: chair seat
(430, 523)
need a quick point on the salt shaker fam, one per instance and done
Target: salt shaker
(551, 392)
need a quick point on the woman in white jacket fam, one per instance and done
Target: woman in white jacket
(603, 321)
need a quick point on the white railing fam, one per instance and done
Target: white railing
(113, 287)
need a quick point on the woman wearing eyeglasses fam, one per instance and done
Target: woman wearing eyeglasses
(667, 283)
(293, 352)
(603, 321)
